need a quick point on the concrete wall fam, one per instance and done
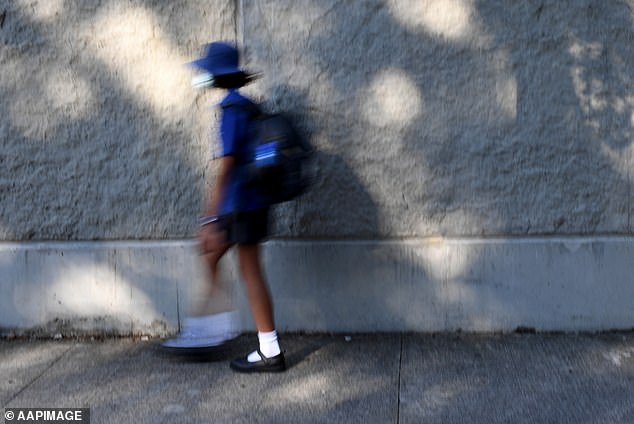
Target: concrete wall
(568, 284)
(458, 119)
(102, 136)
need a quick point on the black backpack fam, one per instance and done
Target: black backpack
(279, 157)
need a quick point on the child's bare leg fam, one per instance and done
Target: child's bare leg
(257, 290)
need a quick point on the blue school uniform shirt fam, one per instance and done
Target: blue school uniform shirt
(234, 139)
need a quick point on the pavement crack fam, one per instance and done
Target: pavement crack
(398, 392)
(37, 377)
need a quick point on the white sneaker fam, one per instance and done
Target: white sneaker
(206, 331)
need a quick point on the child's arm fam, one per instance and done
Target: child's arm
(219, 188)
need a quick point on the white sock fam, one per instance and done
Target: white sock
(269, 346)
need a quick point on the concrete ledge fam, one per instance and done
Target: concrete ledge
(550, 284)
(104, 287)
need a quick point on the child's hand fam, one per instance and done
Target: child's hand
(211, 239)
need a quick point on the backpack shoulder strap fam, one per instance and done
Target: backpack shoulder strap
(253, 109)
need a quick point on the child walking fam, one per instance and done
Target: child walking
(236, 214)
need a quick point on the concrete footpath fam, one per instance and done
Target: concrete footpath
(377, 378)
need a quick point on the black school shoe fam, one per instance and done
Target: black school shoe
(274, 364)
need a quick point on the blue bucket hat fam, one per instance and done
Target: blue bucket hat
(219, 59)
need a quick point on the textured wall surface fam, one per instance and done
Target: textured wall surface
(455, 117)
(458, 130)
(435, 117)
(102, 135)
